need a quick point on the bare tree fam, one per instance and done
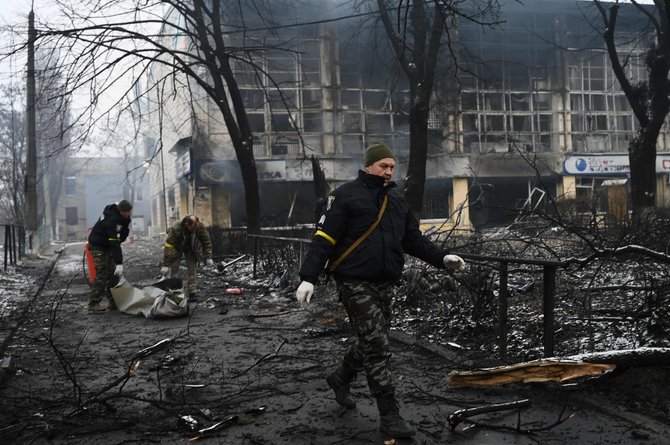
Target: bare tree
(107, 41)
(12, 156)
(648, 98)
(416, 30)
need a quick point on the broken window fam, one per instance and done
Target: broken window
(469, 101)
(352, 144)
(598, 102)
(495, 122)
(375, 100)
(281, 122)
(378, 123)
(350, 99)
(401, 121)
(624, 123)
(350, 75)
(253, 98)
(256, 122)
(493, 101)
(310, 63)
(311, 99)
(521, 123)
(70, 185)
(71, 216)
(542, 102)
(352, 122)
(312, 122)
(544, 123)
(282, 70)
(519, 102)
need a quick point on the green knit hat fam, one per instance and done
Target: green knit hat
(377, 151)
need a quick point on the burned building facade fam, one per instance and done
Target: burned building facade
(524, 109)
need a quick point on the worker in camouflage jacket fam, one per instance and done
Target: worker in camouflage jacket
(366, 276)
(190, 239)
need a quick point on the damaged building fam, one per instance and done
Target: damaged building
(533, 109)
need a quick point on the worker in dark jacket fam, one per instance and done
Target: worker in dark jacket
(188, 238)
(104, 243)
(365, 275)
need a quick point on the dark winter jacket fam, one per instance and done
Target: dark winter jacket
(349, 211)
(110, 231)
(180, 240)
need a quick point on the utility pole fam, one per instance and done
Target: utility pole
(31, 160)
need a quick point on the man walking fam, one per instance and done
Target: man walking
(104, 243)
(362, 236)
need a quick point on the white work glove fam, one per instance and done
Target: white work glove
(304, 292)
(453, 262)
(164, 271)
(119, 270)
(209, 262)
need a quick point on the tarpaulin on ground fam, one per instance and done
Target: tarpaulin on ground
(150, 301)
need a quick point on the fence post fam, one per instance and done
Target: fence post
(549, 303)
(255, 254)
(502, 311)
(6, 244)
(300, 253)
(12, 245)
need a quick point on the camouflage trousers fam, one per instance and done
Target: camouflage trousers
(368, 305)
(104, 275)
(191, 268)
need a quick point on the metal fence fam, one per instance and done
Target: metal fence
(13, 246)
(280, 254)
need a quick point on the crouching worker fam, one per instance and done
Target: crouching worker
(190, 239)
(104, 243)
(365, 229)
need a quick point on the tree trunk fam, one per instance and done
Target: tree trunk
(320, 187)
(648, 99)
(419, 64)
(245, 156)
(418, 155)
(642, 161)
(225, 92)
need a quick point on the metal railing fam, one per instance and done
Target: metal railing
(258, 239)
(549, 276)
(548, 296)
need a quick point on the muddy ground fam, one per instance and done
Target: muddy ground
(249, 369)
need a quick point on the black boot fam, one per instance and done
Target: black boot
(390, 421)
(339, 381)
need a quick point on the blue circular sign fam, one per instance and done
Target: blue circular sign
(580, 164)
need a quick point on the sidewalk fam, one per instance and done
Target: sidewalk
(253, 364)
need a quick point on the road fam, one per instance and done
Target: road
(254, 364)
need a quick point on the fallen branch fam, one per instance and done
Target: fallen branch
(273, 314)
(234, 419)
(518, 429)
(558, 370)
(628, 358)
(68, 369)
(265, 357)
(457, 416)
(130, 372)
(613, 252)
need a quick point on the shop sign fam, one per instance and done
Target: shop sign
(608, 165)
